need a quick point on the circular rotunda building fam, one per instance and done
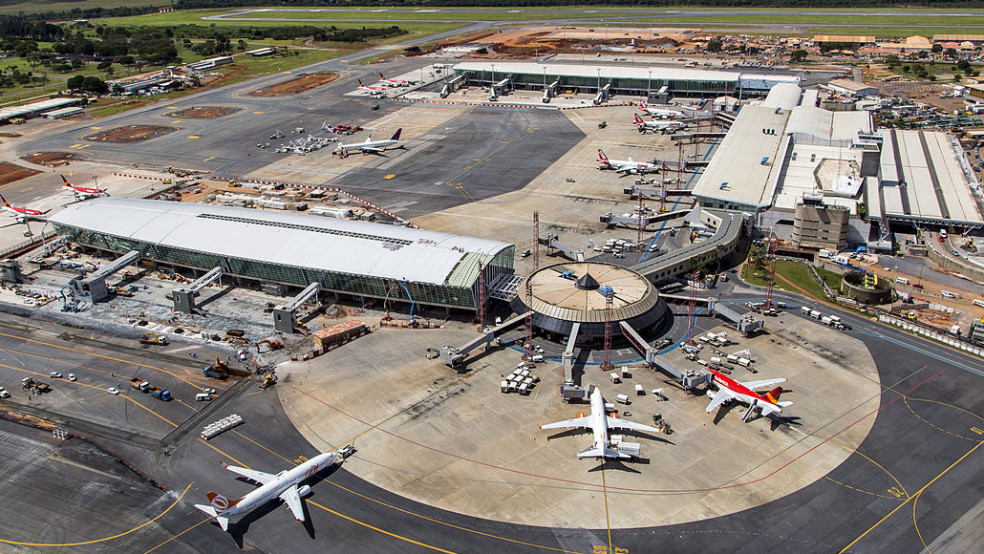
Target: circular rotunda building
(574, 292)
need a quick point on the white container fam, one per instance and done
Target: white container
(614, 377)
(639, 390)
(622, 399)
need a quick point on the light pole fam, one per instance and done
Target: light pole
(649, 85)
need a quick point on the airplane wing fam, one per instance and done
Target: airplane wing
(616, 423)
(582, 422)
(720, 397)
(293, 501)
(252, 475)
(763, 383)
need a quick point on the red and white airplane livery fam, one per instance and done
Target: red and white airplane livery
(23, 214)
(83, 193)
(373, 90)
(625, 166)
(393, 82)
(731, 390)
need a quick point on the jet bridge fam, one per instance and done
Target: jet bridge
(184, 298)
(689, 379)
(453, 357)
(603, 95)
(284, 317)
(95, 284)
(569, 253)
(550, 91)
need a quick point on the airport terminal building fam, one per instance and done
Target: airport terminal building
(355, 258)
(627, 80)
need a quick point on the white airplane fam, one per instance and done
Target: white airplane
(83, 193)
(625, 166)
(661, 126)
(600, 424)
(393, 82)
(282, 485)
(661, 113)
(371, 146)
(23, 215)
(373, 90)
(731, 390)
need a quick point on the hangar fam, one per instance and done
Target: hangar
(356, 258)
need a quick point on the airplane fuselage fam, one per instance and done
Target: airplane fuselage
(599, 424)
(742, 393)
(273, 489)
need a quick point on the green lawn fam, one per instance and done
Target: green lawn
(56, 6)
(797, 273)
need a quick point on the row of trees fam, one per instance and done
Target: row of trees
(186, 4)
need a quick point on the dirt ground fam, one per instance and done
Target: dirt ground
(52, 159)
(10, 173)
(131, 133)
(203, 112)
(298, 84)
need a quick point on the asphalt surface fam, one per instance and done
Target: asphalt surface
(920, 457)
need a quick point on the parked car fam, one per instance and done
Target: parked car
(55, 374)
(71, 377)
(113, 390)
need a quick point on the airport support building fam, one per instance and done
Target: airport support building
(354, 258)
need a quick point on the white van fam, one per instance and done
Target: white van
(949, 294)
(978, 302)
(614, 377)
(902, 280)
(202, 396)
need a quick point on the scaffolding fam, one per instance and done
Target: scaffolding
(606, 363)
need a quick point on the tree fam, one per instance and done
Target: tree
(715, 45)
(798, 56)
(242, 45)
(950, 53)
(103, 66)
(937, 48)
(75, 82)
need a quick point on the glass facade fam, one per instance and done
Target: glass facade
(458, 292)
(625, 85)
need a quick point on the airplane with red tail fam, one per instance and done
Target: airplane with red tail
(23, 214)
(373, 90)
(628, 166)
(393, 82)
(745, 393)
(83, 193)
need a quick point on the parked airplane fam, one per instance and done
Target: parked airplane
(83, 193)
(661, 113)
(393, 82)
(731, 390)
(23, 215)
(371, 146)
(661, 126)
(600, 424)
(625, 166)
(373, 90)
(282, 485)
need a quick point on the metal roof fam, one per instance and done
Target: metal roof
(289, 239)
(35, 107)
(606, 71)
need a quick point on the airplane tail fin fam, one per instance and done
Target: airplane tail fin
(396, 135)
(642, 103)
(381, 78)
(208, 510)
(773, 395)
(64, 180)
(638, 119)
(602, 453)
(601, 155)
(4, 201)
(360, 83)
(221, 503)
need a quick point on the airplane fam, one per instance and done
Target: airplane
(600, 424)
(83, 193)
(731, 390)
(23, 215)
(282, 485)
(393, 82)
(661, 126)
(626, 166)
(371, 146)
(661, 113)
(372, 89)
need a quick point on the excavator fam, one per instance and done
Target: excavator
(268, 381)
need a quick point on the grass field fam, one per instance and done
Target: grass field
(787, 272)
(56, 6)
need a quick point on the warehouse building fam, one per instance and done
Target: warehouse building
(355, 258)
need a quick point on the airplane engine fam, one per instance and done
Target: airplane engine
(304, 491)
(711, 394)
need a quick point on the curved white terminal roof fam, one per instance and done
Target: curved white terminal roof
(289, 239)
(825, 124)
(784, 95)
